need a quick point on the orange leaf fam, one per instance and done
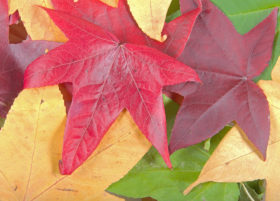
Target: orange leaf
(31, 144)
(150, 16)
(36, 21)
(236, 160)
(113, 3)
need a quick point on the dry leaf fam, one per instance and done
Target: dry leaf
(150, 16)
(31, 143)
(113, 3)
(36, 21)
(236, 160)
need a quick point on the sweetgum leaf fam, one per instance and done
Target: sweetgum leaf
(36, 21)
(247, 14)
(150, 16)
(241, 162)
(14, 58)
(151, 178)
(108, 75)
(121, 23)
(30, 144)
(226, 62)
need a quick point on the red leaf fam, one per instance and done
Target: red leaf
(226, 63)
(120, 22)
(108, 75)
(13, 60)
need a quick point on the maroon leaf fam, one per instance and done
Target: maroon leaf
(13, 60)
(226, 63)
(108, 75)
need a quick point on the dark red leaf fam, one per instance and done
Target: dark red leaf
(14, 58)
(108, 75)
(226, 63)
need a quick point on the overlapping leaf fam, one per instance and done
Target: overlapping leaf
(151, 178)
(36, 21)
(108, 75)
(236, 160)
(120, 22)
(14, 58)
(113, 3)
(150, 16)
(247, 14)
(31, 148)
(226, 63)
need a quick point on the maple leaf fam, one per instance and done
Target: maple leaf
(14, 58)
(108, 75)
(226, 62)
(241, 162)
(37, 23)
(121, 23)
(31, 148)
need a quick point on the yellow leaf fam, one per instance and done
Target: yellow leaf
(150, 16)
(235, 160)
(113, 3)
(36, 21)
(31, 145)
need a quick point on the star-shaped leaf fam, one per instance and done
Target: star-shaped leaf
(14, 58)
(151, 178)
(236, 160)
(30, 144)
(108, 75)
(120, 22)
(226, 63)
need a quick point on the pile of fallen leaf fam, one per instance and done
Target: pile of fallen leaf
(88, 86)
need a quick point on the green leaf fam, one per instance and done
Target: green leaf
(151, 178)
(2, 121)
(266, 74)
(173, 11)
(246, 14)
(173, 16)
(174, 7)
(248, 193)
